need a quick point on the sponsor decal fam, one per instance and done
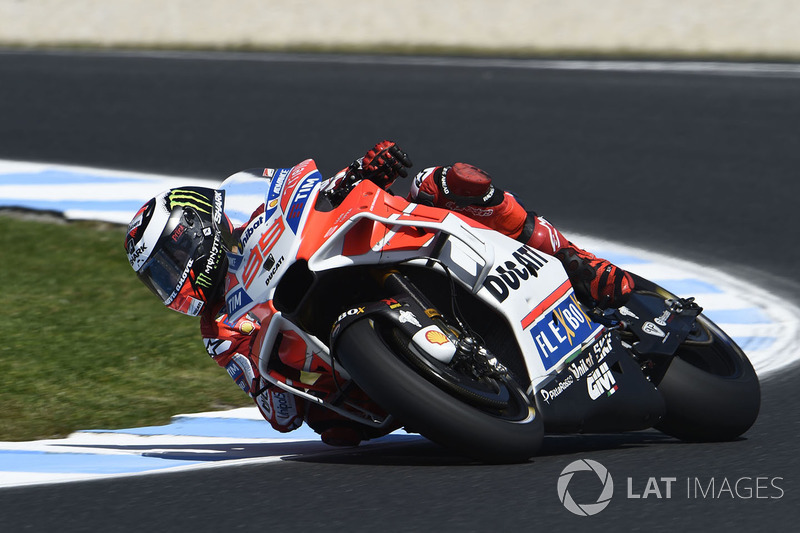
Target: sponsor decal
(274, 270)
(237, 300)
(247, 327)
(624, 311)
(444, 181)
(267, 240)
(602, 347)
(557, 335)
(241, 371)
(409, 317)
(392, 303)
(218, 197)
(283, 407)
(558, 388)
(179, 230)
(205, 279)
(274, 191)
(136, 255)
(180, 282)
(217, 347)
(652, 329)
(600, 382)
(579, 368)
(250, 229)
(304, 169)
(300, 199)
(436, 337)
(264, 405)
(510, 275)
(663, 319)
(188, 198)
(195, 306)
(471, 209)
(351, 312)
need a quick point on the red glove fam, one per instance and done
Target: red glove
(384, 163)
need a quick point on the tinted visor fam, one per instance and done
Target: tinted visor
(168, 267)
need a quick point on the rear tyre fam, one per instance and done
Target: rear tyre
(710, 388)
(507, 433)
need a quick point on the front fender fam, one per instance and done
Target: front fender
(406, 314)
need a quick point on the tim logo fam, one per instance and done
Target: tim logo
(237, 300)
(600, 382)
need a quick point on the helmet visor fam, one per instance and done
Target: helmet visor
(166, 271)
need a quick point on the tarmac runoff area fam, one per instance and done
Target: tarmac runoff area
(764, 325)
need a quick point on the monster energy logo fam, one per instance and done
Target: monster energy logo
(189, 198)
(203, 280)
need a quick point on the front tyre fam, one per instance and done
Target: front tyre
(508, 435)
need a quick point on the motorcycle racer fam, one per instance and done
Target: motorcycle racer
(177, 245)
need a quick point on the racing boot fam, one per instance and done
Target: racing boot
(597, 282)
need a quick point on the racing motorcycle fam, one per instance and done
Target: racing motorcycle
(426, 319)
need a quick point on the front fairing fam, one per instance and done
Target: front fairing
(268, 239)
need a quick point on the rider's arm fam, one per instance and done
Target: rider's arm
(229, 344)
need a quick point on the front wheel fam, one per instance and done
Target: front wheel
(507, 433)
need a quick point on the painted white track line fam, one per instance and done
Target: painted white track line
(763, 324)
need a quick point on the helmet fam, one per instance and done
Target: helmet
(176, 244)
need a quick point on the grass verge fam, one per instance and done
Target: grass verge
(85, 345)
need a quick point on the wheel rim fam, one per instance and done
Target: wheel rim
(498, 396)
(717, 358)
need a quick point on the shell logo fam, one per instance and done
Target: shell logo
(435, 336)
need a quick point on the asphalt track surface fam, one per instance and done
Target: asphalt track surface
(703, 166)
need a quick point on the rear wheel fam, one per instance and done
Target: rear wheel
(489, 418)
(710, 388)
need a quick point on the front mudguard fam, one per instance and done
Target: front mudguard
(408, 316)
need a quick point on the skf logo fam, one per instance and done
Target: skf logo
(436, 337)
(600, 382)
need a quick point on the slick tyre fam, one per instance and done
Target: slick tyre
(509, 435)
(710, 389)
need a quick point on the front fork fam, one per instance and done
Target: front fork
(469, 353)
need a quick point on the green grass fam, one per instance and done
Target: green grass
(83, 344)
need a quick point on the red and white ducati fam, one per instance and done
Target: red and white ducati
(417, 317)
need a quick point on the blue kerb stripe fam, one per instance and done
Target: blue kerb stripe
(237, 428)
(64, 205)
(688, 287)
(754, 343)
(82, 463)
(62, 177)
(750, 315)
